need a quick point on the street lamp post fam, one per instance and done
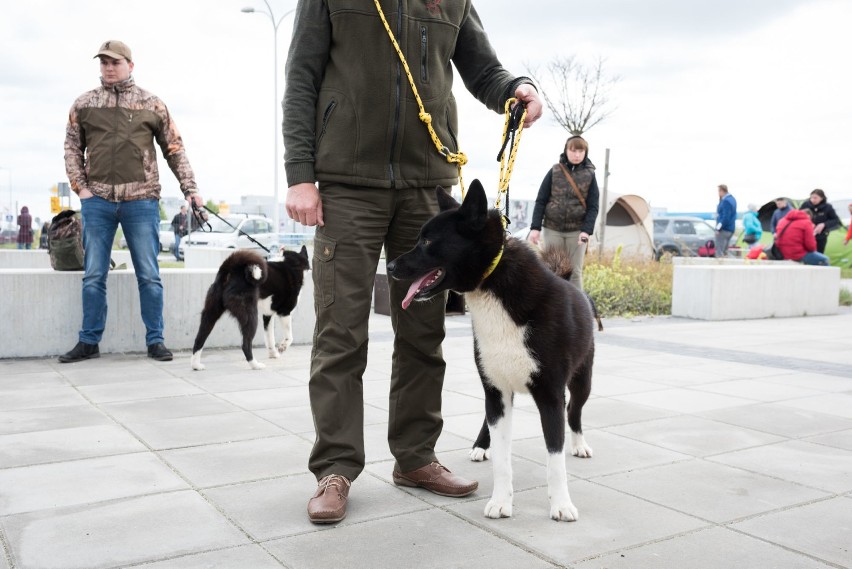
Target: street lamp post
(275, 24)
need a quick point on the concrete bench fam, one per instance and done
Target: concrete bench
(736, 289)
(39, 258)
(41, 312)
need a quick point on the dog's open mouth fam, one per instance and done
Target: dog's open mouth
(423, 285)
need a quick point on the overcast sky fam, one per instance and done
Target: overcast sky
(756, 94)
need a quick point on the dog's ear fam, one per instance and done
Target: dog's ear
(475, 206)
(445, 200)
(304, 251)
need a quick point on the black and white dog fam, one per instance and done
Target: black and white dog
(533, 333)
(245, 284)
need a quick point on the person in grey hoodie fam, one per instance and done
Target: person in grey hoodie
(362, 167)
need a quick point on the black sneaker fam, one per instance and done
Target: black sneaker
(81, 351)
(159, 352)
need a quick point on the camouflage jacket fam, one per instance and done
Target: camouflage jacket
(109, 144)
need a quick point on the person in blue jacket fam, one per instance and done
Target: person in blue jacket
(726, 216)
(752, 230)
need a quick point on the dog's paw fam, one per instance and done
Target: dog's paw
(579, 447)
(273, 353)
(195, 362)
(257, 365)
(282, 346)
(478, 454)
(496, 508)
(564, 512)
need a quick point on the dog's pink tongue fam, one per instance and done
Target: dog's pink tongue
(412, 290)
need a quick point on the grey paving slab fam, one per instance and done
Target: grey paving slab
(239, 380)
(758, 390)
(243, 557)
(204, 429)
(608, 521)
(693, 435)
(704, 549)
(86, 481)
(809, 464)
(683, 400)
(243, 461)
(811, 380)
(135, 390)
(606, 385)
(50, 418)
(612, 453)
(106, 535)
(606, 412)
(58, 396)
(421, 539)
(839, 404)
(277, 508)
(106, 371)
(33, 380)
(24, 449)
(168, 408)
(821, 529)
(711, 491)
(839, 439)
(256, 399)
(780, 420)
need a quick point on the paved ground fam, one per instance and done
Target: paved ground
(725, 444)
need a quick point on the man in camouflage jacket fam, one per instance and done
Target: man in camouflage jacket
(112, 166)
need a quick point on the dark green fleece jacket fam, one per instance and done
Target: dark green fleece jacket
(349, 112)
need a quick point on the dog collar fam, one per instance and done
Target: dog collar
(499, 256)
(494, 264)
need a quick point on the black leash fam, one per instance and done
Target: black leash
(514, 122)
(200, 214)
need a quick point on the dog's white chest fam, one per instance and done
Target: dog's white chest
(504, 357)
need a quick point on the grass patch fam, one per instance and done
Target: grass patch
(845, 297)
(627, 286)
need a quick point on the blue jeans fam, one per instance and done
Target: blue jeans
(140, 220)
(25, 245)
(177, 244)
(814, 258)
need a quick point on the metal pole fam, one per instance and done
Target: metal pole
(604, 204)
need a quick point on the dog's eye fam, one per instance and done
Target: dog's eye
(427, 242)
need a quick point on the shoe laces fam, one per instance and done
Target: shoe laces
(333, 480)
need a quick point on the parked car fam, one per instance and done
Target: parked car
(9, 236)
(230, 234)
(167, 237)
(681, 235)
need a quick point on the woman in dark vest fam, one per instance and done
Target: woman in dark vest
(567, 205)
(824, 216)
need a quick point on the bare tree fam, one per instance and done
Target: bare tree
(577, 94)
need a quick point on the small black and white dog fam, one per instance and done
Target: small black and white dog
(533, 333)
(245, 284)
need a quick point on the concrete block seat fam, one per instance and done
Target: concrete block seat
(737, 289)
(42, 312)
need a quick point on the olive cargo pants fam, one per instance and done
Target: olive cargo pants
(358, 222)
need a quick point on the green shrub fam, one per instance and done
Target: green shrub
(628, 286)
(845, 297)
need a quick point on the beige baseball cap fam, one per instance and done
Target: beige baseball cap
(115, 49)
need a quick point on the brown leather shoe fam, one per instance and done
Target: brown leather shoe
(437, 479)
(328, 504)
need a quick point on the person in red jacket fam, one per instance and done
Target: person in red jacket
(849, 233)
(795, 238)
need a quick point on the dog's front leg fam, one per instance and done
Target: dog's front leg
(498, 413)
(551, 411)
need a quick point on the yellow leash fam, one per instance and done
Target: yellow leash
(458, 158)
(512, 126)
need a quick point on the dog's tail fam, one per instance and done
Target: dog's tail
(557, 261)
(559, 264)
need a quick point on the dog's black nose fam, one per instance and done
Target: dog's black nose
(391, 266)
